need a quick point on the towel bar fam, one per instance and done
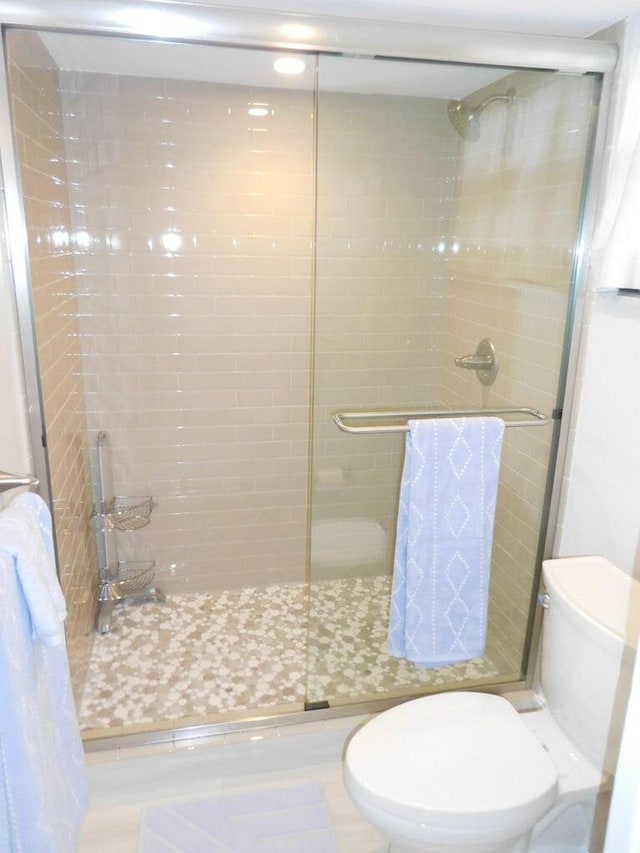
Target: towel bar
(13, 481)
(536, 418)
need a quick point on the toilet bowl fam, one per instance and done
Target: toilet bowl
(458, 758)
(465, 772)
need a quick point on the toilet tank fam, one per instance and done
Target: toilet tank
(589, 640)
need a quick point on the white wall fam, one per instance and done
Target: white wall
(601, 501)
(600, 509)
(15, 454)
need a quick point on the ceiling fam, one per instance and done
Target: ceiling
(254, 67)
(579, 18)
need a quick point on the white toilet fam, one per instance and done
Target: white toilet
(465, 773)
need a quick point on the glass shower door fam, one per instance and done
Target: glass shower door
(433, 234)
(169, 204)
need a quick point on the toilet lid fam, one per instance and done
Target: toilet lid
(456, 759)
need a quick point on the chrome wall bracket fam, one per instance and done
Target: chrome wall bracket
(484, 361)
(15, 481)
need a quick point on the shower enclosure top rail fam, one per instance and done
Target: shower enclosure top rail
(192, 21)
(537, 418)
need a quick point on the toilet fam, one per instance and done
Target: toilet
(464, 772)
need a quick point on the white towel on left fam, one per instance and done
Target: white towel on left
(43, 786)
(25, 535)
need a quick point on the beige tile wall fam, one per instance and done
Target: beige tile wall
(510, 256)
(384, 176)
(196, 296)
(38, 127)
(192, 228)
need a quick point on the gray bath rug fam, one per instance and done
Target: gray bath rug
(279, 820)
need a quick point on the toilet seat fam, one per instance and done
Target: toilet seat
(459, 762)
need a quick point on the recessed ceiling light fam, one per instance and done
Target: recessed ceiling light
(289, 65)
(258, 110)
(297, 31)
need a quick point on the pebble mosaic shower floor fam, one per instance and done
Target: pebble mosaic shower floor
(206, 654)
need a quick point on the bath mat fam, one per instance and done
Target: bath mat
(279, 820)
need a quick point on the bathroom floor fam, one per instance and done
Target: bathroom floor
(123, 784)
(211, 654)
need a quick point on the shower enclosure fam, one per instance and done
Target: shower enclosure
(222, 258)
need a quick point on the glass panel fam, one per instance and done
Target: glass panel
(430, 238)
(169, 195)
(172, 196)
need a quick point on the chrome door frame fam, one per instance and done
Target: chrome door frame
(200, 24)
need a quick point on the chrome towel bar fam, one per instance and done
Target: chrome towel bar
(13, 481)
(536, 418)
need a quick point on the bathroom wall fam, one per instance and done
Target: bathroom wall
(385, 165)
(38, 122)
(15, 453)
(192, 232)
(601, 488)
(194, 263)
(601, 485)
(197, 252)
(510, 256)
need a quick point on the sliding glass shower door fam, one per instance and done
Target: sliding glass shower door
(448, 209)
(169, 204)
(222, 258)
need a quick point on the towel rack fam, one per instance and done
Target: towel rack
(536, 418)
(13, 481)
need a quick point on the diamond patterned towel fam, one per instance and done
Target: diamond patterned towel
(444, 538)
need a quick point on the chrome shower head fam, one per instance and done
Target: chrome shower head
(465, 118)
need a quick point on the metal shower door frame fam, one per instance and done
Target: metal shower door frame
(200, 24)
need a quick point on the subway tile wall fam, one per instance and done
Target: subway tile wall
(385, 174)
(194, 227)
(40, 144)
(510, 273)
(192, 231)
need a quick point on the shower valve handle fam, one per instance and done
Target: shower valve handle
(475, 362)
(484, 361)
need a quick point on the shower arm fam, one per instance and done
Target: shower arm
(484, 104)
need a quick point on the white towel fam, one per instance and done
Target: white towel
(26, 535)
(43, 788)
(444, 539)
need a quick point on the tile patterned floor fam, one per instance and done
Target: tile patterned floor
(348, 641)
(206, 654)
(126, 782)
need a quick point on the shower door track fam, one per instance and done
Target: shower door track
(522, 698)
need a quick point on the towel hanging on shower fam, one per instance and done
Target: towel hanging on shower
(43, 786)
(439, 596)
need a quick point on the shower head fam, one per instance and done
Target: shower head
(465, 118)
